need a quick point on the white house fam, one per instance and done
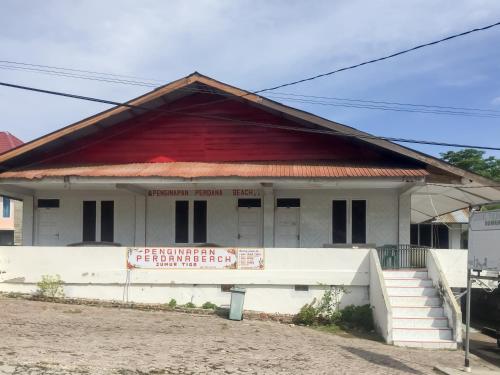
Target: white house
(268, 197)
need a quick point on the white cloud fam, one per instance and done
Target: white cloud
(496, 101)
(252, 44)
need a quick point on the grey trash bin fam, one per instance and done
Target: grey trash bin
(237, 300)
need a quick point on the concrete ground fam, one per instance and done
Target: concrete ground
(45, 338)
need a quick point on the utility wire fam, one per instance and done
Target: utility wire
(266, 125)
(301, 98)
(379, 58)
(384, 102)
(79, 70)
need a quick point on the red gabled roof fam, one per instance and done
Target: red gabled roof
(8, 142)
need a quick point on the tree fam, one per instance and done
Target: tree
(473, 160)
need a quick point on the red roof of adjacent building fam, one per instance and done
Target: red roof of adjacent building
(244, 169)
(8, 142)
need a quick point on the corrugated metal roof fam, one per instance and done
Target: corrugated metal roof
(459, 217)
(225, 169)
(8, 142)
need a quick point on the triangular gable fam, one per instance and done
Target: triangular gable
(179, 88)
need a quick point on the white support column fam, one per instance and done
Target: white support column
(268, 212)
(28, 221)
(404, 211)
(404, 219)
(140, 220)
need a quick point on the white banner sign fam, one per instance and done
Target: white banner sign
(195, 258)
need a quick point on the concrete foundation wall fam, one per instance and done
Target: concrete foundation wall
(100, 273)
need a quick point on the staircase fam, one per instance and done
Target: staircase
(418, 318)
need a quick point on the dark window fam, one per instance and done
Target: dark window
(89, 220)
(358, 209)
(6, 237)
(425, 235)
(107, 221)
(301, 288)
(226, 287)
(339, 222)
(287, 202)
(248, 202)
(48, 203)
(200, 222)
(414, 234)
(441, 236)
(6, 207)
(182, 221)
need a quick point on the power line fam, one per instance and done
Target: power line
(396, 109)
(379, 58)
(386, 102)
(79, 70)
(79, 76)
(267, 125)
(300, 98)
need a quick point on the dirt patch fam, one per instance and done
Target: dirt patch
(45, 338)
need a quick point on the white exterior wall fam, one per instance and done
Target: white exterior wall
(455, 236)
(70, 217)
(133, 213)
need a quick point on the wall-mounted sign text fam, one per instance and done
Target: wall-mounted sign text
(195, 258)
(205, 193)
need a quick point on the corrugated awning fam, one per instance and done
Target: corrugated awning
(433, 199)
(223, 169)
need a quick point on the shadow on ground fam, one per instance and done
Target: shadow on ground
(381, 360)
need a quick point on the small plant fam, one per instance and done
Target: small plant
(190, 305)
(328, 310)
(51, 287)
(209, 306)
(308, 314)
(172, 303)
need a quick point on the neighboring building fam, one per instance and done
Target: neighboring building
(218, 186)
(11, 210)
(448, 231)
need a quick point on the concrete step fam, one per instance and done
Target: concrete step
(408, 282)
(412, 291)
(441, 322)
(414, 301)
(406, 274)
(417, 312)
(421, 334)
(435, 344)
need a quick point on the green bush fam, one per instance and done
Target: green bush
(358, 317)
(327, 312)
(308, 315)
(172, 303)
(51, 287)
(189, 305)
(209, 306)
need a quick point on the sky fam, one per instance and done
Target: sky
(258, 44)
